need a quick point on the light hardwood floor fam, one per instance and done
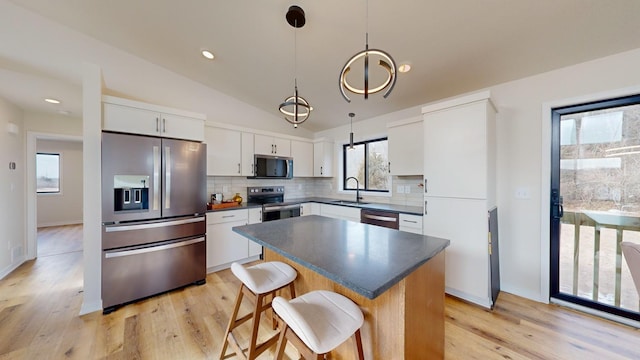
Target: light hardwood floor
(40, 301)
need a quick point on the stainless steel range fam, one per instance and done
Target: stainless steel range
(272, 201)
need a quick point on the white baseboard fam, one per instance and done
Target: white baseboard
(19, 261)
(60, 223)
(90, 306)
(484, 302)
(228, 265)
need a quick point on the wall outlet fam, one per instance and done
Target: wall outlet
(407, 189)
(225, 189)
(400, 189)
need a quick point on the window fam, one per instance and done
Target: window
(368, 162)
(47, 173)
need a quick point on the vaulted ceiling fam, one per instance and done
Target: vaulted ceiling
(453, 46)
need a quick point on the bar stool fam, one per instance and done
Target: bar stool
(317, 322)
(258, 282)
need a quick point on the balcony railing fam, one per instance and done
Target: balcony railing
(598, 221)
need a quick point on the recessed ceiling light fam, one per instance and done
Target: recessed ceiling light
(207, 54)
(52, 101)
(404, 67)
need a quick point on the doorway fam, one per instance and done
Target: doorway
(595, 204)
(57, 206)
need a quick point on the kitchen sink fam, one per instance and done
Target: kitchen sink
(347, 202)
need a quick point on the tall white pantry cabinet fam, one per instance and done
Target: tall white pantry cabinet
(460, 189)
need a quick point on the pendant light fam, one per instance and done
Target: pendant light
(351, 115)
(385, 61)
(295, 108)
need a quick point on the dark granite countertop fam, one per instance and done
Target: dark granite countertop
(367, 259)
(401, 209)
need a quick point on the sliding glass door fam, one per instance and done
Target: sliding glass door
(595, 203)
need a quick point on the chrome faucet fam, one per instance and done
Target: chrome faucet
(357, 187)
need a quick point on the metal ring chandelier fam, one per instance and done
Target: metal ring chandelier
(386, 62)
(295, 109)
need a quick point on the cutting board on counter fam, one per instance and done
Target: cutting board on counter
(223, 205)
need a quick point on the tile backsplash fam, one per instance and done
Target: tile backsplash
(406, 190)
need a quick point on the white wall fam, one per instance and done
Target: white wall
(12, 189)
(52, 123)
(65, 207)
(524, 154)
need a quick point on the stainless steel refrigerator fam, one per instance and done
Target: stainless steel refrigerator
(153, 216)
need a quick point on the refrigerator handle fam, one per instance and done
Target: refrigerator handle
(167, 181)
(425, 207)
(156, 177)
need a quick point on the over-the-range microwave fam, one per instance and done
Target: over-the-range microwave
(272, 167)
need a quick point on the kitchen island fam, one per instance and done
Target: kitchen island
(397, 278)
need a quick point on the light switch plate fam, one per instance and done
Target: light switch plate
(400, 189)
(523, 193)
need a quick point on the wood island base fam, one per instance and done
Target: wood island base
(404, 322)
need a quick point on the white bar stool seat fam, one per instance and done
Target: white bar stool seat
(321, 320)
(264, 277)
(258, 282)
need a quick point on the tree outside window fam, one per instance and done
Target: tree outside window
(47, 173)
(368, 161)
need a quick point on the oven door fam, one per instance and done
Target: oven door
(277, 212)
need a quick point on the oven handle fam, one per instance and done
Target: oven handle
(280, 208)
(115, 254)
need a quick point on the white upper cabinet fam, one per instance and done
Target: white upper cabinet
(406, 150)
(457, 149)
(302, 153)
(247, 164)
(322, 159)
(135, 117)
(224, 151)
(269, 145)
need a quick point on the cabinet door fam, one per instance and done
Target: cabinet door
(182, 127)
(406, 151)
(225, 246)
(248, 168)
(302, 153)
(282, 146)
(340, 212)
(255, 217)
(223, 152)
(130, 120)
(264, 145)
(322, 159)
(464, 223)
(455, 151)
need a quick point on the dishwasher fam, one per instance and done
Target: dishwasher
(382, 218)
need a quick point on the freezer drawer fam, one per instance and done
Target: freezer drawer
(137, 272)
(138, 233)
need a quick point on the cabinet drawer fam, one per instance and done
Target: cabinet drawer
(227, 216)
(411, 221)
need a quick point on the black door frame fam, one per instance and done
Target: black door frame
(555, 211)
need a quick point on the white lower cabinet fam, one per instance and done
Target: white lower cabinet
(340, 212)
(309, 209)
(255, 217)
(223, 245)
(467, 258)
(411, 223)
